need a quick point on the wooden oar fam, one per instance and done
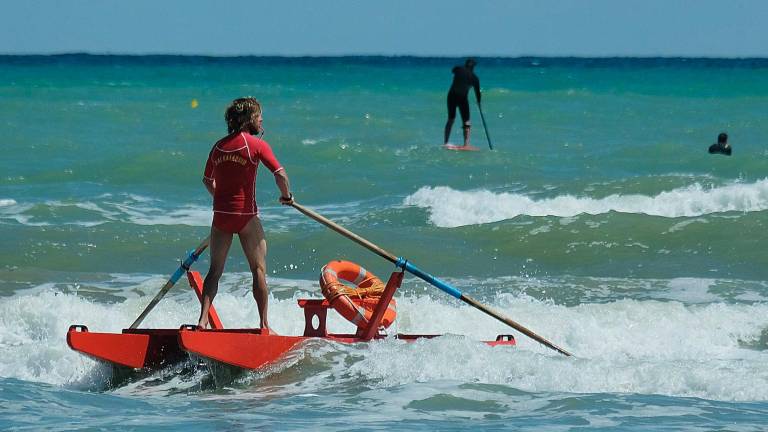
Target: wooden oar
(183, 268)
(484, 126)
(442, 285)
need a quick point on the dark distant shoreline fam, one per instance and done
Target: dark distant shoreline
(526, 61)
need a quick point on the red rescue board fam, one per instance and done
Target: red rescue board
(134, 348)
(249, 349)
(244, 348)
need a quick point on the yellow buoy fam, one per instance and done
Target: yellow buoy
(194, 103)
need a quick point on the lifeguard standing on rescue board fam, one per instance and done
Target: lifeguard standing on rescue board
(230, 177)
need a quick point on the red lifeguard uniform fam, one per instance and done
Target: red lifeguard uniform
(232, 166)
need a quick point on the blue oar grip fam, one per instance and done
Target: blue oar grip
(184, 267)
(410, 268)
(191, 258)
(177, 275)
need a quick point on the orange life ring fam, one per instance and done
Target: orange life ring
(366, 294)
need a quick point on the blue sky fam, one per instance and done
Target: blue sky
(710, 28)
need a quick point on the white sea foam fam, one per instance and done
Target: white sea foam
(635, 346)
(188, 215)
(452, 208)
(136, 210)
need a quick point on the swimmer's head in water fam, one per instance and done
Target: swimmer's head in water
(243, 115)
(470, 63)
(722, 138)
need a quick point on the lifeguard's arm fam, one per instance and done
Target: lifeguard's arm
(269, 160)
(282, 182)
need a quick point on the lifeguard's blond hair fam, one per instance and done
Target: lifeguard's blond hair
(243, 115)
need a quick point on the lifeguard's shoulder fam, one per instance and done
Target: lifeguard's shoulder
(257, 145)
(252, 139)
(231, 142)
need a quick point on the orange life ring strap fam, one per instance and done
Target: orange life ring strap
(366, 283)
(368, 290)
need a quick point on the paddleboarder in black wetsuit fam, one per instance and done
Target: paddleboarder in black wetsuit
(463, 78)
(722, 145)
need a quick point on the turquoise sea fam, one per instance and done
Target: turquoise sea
(599, 221)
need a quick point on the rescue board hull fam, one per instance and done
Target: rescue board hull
(249, 349)
(243, 348)
(133, 348)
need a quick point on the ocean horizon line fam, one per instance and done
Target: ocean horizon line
(523, 61)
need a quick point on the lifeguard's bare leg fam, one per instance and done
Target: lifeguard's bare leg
(255, 248)
(219, 248)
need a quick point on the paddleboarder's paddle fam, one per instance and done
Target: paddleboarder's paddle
(183, 268)
(484, 126)
(444, 286)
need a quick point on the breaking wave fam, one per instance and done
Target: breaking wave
(453, 208)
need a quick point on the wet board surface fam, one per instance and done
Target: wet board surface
(460, 148)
